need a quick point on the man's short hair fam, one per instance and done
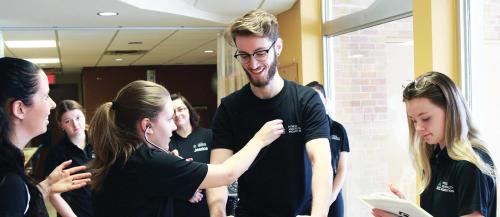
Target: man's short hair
(254, 23)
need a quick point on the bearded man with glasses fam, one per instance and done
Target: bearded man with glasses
(276, 183)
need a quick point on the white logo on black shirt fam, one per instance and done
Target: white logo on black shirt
(200, 147)
(294, 128)
(443, 186)
(335, 137)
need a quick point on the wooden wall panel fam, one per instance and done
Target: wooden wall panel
(101, 84)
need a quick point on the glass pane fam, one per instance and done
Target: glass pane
(368, 69)
(345, 7)
(485, 43)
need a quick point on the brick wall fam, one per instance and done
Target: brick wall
(368, 70)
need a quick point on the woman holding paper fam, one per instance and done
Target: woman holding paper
(455, 171)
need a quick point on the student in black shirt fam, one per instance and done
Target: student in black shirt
(25, 106)
(134, 174)
(275, 185)
(74, 146)
(456, 173)
(339, 146)
(191, 142)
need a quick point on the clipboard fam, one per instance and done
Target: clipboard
(393, 204)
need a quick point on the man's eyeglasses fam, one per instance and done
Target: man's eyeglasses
(260, 55)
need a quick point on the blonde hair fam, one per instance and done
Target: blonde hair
(113, 126)
(460, 134)
(254, 23)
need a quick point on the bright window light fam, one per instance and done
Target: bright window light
(31, 44)
(407, 43)
(43, 60)
(107, 14)
(355, 56)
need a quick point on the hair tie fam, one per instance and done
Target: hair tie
(114, 105)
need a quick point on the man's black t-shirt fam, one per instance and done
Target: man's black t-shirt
(196, 145)
(274, 185)
(79, 199)
(458, 188)
(146, 184)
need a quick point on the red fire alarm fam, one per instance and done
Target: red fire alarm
(52, 78)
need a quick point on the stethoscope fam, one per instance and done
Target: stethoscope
(151, 143)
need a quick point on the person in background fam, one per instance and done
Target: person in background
(456, 175)
(25, 106)
(275, 185)
(339, 146)
(74, 146)
(134, 174)
(191, 142)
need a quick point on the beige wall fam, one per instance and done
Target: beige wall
(300, 29)
(436, 37)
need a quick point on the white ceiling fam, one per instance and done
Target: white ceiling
(171, 31)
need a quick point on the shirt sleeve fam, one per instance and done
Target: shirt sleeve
(344, 139)
(171, 175)
(472, 191)
(314, 118)
(13, 196)
(172, 145)
(221, 133)
(209, 139)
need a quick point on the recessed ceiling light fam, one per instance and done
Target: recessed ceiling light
(208, 51)
(44, 60)
(118, 59)
(107, 14)
(31, 44)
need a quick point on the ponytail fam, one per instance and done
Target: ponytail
(110, 143)
(113, 129)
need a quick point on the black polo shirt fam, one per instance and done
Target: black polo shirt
(79, 199)
(146, 184)
(339, 142)
(197, 146)
(458, 188)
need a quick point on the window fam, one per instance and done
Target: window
(345, 7)
(480, 77)
(367, 63)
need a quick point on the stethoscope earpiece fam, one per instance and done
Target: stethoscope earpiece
(151, 143)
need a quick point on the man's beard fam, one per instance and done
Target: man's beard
(270, 74)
